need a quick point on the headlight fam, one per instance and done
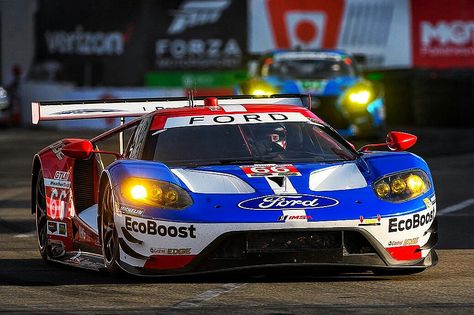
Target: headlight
(256, 87)
(402, 186)
(155, 193)
(358, 96)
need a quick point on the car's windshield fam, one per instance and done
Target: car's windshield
(247, 143)
(310, 68)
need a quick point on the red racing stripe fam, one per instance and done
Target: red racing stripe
(168, 261)
(411, 252)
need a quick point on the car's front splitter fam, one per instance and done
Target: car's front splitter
(164, 247)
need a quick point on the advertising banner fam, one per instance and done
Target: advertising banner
(90, 42)
(378, 29)
(199, 35)
(443, 33)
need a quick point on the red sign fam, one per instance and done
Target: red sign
(443, 33)
(259, 170)
(308, 24)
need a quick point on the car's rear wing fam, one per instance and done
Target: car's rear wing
(43, 111)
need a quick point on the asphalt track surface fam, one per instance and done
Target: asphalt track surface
(29, 285)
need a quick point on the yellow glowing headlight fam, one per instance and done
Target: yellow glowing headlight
(261, 92)
(398, 185)
(138, 192)
(361, 97)
(259, 88)
(382, 189)
(415, 184)
(358, 95)
(402, 186)
(154, 193)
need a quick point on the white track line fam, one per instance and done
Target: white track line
(456, 207)
(25, 235)
(207, 295)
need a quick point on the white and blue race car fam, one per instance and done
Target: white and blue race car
(229, 183)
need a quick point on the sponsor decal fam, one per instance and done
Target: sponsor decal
(150, 227)
(233, 119)
(395, 243)
(48, 182)
(370, 222)
(57, 228)
(416, 220)
(195, 13)
(443, 35)
(259, 170)
(170, 251)
(58, 203)
(61, 175)
(132, 211)
(288, 202)
(84, 43)
(56, 149)
(307, 24)
(407, 242)
(411, 241)
(181, 53)
(427, 202)
(294, 217)
(311, 86)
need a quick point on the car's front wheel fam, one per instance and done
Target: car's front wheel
(110, 243)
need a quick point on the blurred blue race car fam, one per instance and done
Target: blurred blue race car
(340, 95)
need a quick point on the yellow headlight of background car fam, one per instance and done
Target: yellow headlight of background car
(359, 95)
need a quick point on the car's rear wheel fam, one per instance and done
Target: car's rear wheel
(110, 243)
(41, 217)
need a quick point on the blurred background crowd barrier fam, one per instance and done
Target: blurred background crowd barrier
(422, 51)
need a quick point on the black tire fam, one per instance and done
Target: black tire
(109, 237)
(41, 217)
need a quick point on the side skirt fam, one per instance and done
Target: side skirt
(82, 259)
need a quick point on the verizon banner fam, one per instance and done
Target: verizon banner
(443, 33)
(378, 29)
(90, 42)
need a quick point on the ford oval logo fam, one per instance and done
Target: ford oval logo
(288, 202)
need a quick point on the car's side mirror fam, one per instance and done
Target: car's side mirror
(395, 141)
(82, 149)
(78, 149)
(400, 141)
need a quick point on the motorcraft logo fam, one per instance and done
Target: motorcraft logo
(288, 202)
(196, 13)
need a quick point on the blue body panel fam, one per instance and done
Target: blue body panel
(219, 208)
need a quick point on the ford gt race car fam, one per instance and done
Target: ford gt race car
(341, 96)
(228, 183)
